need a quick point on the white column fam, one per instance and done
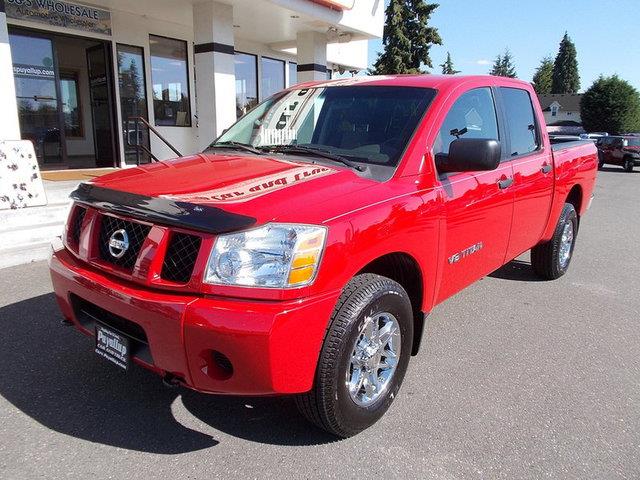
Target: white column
(312, 56)
(9, 126)
(215, 69)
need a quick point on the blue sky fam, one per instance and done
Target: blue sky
(606, 34)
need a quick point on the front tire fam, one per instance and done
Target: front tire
(550, 260)
(364, 357)
(628, 165)
(600, 161)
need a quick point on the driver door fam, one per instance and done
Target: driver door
(478, 205)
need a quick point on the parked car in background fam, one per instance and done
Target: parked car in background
(619, 150)
(300, 253)
(592, 136)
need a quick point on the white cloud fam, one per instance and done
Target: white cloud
(482, 61)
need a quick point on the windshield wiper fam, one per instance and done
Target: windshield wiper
(237, 146)
(309, 150)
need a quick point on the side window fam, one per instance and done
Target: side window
(521, 121)
(473, 115)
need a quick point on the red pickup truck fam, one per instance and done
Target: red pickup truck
(301, 252)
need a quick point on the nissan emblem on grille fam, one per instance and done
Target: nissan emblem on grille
(119, 243)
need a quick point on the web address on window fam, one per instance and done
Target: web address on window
(31, 71)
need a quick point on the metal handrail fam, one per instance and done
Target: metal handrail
(139, 147)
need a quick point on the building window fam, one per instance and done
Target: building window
(169, 75)
(246, 68)
(293, 73)
(71, 110)
(133, 101)
(554, 111)
(272, 80)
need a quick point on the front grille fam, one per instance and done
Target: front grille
(75, 228)
(136, 233)
(180, 258)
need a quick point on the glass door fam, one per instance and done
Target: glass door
(133, 102)
(101, 104)
(37, 96)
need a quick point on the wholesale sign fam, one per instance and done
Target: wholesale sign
(61, 14)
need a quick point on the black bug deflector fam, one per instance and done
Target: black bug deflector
(202, 218)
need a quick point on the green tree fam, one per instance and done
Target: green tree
(447, 66)
(504, 66)
(543, 78)
(566, 78)
(610, 105)
(421, 35)
(407, 38)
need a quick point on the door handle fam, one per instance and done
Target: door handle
(506, 183)
(545, 168)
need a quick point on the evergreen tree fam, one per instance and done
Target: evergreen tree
(504, 66)
(447, 66)
(496, 70)
(407, 38)
(543, 78)
(566, 78)
(421, 35)
(610, 105)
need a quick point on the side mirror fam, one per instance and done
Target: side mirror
(469, 155)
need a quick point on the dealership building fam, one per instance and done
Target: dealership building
(77, 77)
(104, 84)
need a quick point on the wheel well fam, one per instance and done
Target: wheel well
(575, 198)
(404, 269)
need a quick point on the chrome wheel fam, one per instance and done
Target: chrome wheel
(374, 358)
(566, 242)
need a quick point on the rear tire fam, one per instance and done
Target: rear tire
(628, 165)
(551, 260)
(351, 390)
(600, 161)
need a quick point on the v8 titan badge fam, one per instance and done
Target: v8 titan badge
(112, 346)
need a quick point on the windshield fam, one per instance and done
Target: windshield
(365, 124)
(633, 142)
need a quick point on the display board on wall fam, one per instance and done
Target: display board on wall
(61, 14)
(20, 180)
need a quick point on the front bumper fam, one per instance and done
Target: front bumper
(273, 346)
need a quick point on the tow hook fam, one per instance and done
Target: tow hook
(171, 381)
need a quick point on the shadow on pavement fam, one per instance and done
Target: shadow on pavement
(516, 270)
(50, 373)
(616, 170)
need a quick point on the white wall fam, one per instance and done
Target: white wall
(366, 16)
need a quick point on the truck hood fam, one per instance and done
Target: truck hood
(263, 187)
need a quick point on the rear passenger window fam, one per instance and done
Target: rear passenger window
(472, 116)
(521, 121)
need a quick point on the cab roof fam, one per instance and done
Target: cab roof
(438, 82)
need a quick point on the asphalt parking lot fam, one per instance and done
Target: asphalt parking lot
(517, 379)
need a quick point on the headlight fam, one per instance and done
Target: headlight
(275, 255)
